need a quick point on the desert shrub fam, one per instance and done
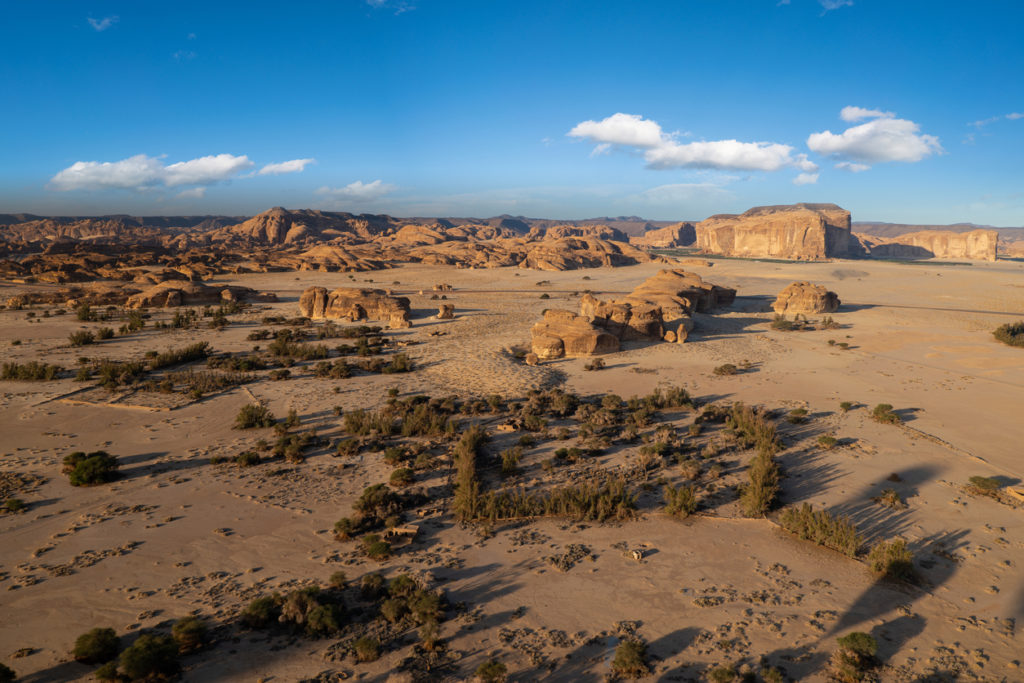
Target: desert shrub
(859, 643)
(595, 364)
(759, 493)
(797, 416)
(316, 612)
(680, 502)
(104, 333)
(280, 374)
(344, 528)
(892, 560)
(367, 649)
(891, 499)
(827, 441)
(751, 427)
(254, 415)
(596, 500)
(394, 455)
(81, 338)
(401, 477)
(630, 659)
(823, 528)
(89, 469)
(400, 362)
(883, 413)
(187, 354)
(846, 406)
(347, 447)
(364, 422)
(393, 610)
(189, 633)
(510, 461)
(84, 313)
(727, 369)
(247, 459)
(984, 486)
(292, 447)
(723, 674)
(772, 675)
(292, 418)
(467, 488)
(780, 323)
(14, 505)
(338, 580)
(491, 671)
(96, 646)
(31, 371)
(262, 611)
(378, 501)
(151, 657)
(855, 656)
(827, 323)
(545, 295)
(1010, 333)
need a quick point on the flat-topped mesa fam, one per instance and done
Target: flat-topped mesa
(679, 235)
(659, 308)
(797, 231)
(352, 303)
(976, 245)
(806, 299)
(563, 333)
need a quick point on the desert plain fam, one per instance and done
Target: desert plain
(184, 530)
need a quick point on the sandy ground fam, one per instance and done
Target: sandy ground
(179, 535)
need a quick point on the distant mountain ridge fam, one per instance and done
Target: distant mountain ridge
(880, 229)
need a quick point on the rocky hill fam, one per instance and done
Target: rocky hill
(797, 231)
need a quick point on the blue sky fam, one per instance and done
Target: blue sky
(905, 111)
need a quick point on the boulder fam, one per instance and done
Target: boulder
(805, 298)
(563, 333)
(446, 312)
(355, 304)
(798, 231)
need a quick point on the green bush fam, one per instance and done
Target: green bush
(31, 371)
(855, 656)
(759, 494)
(727, 369)
(827, 441)
(491, 671)
(254, 415)
(821, 527)
(96, 646)
(723, 674)
(680, 502)
(1010, 333)
(780, 323)
(104, 333)
(630, 659)
(859, 643)
(375, 548)
(189, 633)
(151, 657)
(81, 338)
(988, 486)
(89, 469)
(367, 649)
(262, 611)
(247, 459)
(14, 505)
(401, 477)
(893, 560)
(883, 413)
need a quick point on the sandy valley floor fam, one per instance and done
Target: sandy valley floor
(177, 535)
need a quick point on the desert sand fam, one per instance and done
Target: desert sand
(177, 535)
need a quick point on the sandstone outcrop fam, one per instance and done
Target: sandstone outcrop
(976, 245)
(799, 231)
(659, 308)
(563, 333)
(806, 299)
(446, 312)
(679, 235)
(354, 304)
(183, 293)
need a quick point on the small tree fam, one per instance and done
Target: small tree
(151, 657)
(89, 469)
(253, 415)
(189, 633)
(893, 560)
(630, 659)
(96, 646)
(367, 649)
(680, 502)
(883, 413)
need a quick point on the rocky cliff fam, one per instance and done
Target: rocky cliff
(798, 231)
(976, 245)
(679, 235)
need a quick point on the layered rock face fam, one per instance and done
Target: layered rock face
(563, 333)
(805, 298)
(659, 308)
(679, 235)
(354, 304)
(976, 245)
(798, 231)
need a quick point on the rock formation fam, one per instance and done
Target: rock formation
(678, 235)
(805, 298)
(446, 312)
(799, 231)
(976, 245)
(183, 293)
(563, 333)
(659, 308)
(355, 304)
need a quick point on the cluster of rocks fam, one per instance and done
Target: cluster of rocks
(804, 298)
(180, 293)
(354, 304)
(660, 308)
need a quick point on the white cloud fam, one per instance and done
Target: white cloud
(858, 113)
(141, 171)
(835, 4)
(293, 166)
(194, 193)
(884, 138)
(184, 55)
(358, 191)
(681, 192)
(852, 167)
(102, 24)
(621, 129)
(805, 179)
(1013, 116)
(661, 150)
